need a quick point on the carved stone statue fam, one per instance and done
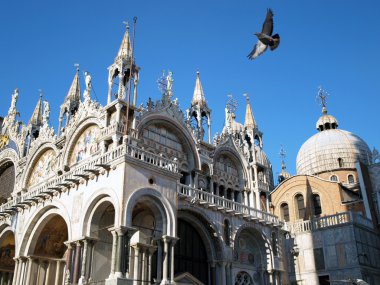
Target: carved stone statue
(46, 114)
(169, 82)
(87, 92)
(14, 101)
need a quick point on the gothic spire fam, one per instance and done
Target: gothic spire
(198, 96)
(125, 49)
(74, 92)
(249, 119)
(36, 118)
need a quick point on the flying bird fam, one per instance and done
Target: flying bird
(265, 38)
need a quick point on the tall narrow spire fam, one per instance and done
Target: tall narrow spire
(74, 92)
(249, 119)
(198, 96)
(36, 118)
(125, 49)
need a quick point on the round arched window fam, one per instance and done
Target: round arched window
(334, 178)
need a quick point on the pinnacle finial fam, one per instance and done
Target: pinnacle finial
(41, 92)
(76, 65)
(282, 155)
(322, 98)
(126, 25)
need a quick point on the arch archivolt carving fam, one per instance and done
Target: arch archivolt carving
(182, 132)
(162, 208)
(37, 221)
(74, 135)
(98, 197)
(35, 157)
(228, 167)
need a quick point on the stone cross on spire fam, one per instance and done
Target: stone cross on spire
(322, 98)
(282, 155)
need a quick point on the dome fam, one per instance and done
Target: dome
(331, 149)
(261, 157)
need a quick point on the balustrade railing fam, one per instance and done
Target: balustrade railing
(221, 203)
(152, 158)
(328, 221)
(111, 129)
(83, 169)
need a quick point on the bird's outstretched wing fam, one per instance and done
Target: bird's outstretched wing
(268, 23)
(276, 42)
(257, 50)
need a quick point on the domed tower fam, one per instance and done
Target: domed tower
(199, 111)
(332, 153)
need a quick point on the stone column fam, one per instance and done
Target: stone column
(69, 257)
(82, 279)
(58, 273)
(120, 253)
(120, 94)
(49, 272)
(222, 273)
(135, 83)
(15, 276)
(114, 249)
(159, 259)
(196, 176)
(228, 276)
(172, 248)
(129, 232)
(211, 266)
(77, 262)
(29, 271)
(136, 269)
(166, 241)
(143, 265)
(150, 253)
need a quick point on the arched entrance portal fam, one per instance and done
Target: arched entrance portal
(102, 220)
(47, 253)
(7, 253)
(190, 253)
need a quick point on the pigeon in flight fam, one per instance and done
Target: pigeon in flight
(265, 38)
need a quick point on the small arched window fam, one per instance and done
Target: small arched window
(334, 178)
(340, 162)
(300, 202)
(285, 212)
(351, 179)
(317, 205)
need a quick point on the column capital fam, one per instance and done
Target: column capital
(166, 238)
(123, 230)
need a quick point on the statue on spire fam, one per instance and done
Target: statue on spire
(87, 92)
(46, 114)
(322, 98)
(12, 108)
(169, 84)
(282, 155)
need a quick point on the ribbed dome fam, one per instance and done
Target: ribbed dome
(261, 157)
(331, 149)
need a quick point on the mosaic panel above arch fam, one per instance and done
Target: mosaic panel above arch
(247, 250)
(86, 145)
(45, 166)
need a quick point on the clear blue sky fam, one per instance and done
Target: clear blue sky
(330, 43)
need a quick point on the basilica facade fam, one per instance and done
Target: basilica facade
(136, 194)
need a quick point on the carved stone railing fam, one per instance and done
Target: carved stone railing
(209, 200)
(115, 128)
(152, 158)
(84, 170)
(328, 221)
